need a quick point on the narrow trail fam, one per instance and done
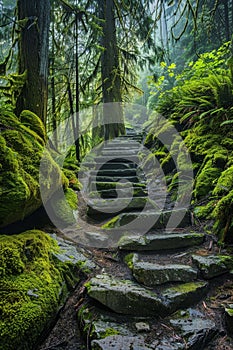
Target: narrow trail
(154, 286)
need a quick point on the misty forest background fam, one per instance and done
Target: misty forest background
(61, 57)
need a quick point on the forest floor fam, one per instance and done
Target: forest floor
(65, 334)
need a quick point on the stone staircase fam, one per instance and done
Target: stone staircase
(149, 296)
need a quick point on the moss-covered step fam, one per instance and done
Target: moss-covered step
(125, 296)
(116, 205)
(36, 273)
(183, 295)
(129, 298)
(133, 179)
(156, 219)
(117, 159)
(153, 274)
(158, 242)
(121, 193)
(96, 323)
(113, 172)
(113, 185)
(109, 165)
(213, 265)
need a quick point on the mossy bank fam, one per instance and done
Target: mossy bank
(34, 283)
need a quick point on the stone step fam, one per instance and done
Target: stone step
(133, 179)
(100, 186)
(160, 242)
(154, 274)
(117, 159)
(114, 172)
(122, 146)
(120, 193)
(122, 143)
(154, 219)
(109, 330)
(129, 298)
(119, 152)
(117, 205)
(100, 166)
(213, 265)
(131, 137)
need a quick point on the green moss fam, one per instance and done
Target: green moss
(21, 149)
(206, 180)
(129, 260)
(111, 223)
(205, 211)
(32, 121)
(73, 181)
(229, 312)
(223, 216)
(64, 207)
(108, 332)
(31, 287)
(225, 182)
(185, 287)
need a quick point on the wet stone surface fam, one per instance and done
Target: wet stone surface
(213, 265)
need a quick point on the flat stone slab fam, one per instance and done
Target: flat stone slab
(115, 178)
(113, 172)
(113, 185)
(129, 298)
(125, 296)
(117, 159)
(120, 193)
(95, 166)
(109, 206)
(194, 327)
(155, 219)
(152, 274)
(184, 295)
(159, 242)
(119, 342)
(213, 265)
(120, 152)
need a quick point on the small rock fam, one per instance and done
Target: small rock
(31, 293)
(142, 327)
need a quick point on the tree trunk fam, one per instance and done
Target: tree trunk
(227, 24)
(34, 19)
(110, 72)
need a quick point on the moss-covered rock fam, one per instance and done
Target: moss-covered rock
(208, 138)
(33, 284)
(22, 142)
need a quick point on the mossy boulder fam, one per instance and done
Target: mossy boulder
(22, 142)
(34, 282)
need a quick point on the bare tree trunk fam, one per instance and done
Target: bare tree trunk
(34, 19)
(110, 71)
